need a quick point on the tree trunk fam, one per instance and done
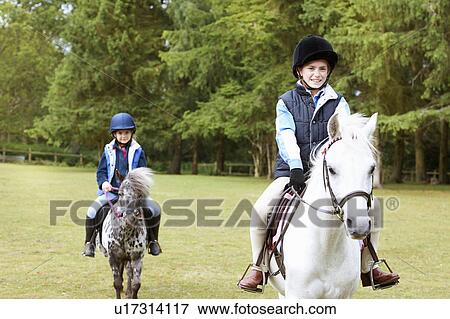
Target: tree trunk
(100, 148)
(257, 143)
(420, 155)
(378, 173)
(256, 163)
(195, 157)
(175, 165)
(75, 147)
(220, 154)
(399, 153)
(443, 153)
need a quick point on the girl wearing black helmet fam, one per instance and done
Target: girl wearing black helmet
(120, 156)
(301, 124)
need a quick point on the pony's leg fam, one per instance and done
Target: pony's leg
(129, 279)
(136, 267)
(117, 269)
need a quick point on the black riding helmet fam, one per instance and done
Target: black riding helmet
(313, 47)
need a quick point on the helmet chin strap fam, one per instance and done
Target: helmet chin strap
(311, 88)
(124, 144)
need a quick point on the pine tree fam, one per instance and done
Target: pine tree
(111, 65)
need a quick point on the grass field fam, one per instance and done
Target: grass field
(39, 260)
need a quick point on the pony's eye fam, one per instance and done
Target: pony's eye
(331, 170)
(372, 169)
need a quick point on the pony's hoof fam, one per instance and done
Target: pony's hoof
(89, 250)
(154, 248)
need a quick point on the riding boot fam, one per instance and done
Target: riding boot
(380, 278)
(154, 248)
(89, 246)
(152, 225)
(251, 282)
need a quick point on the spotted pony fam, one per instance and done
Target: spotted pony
(124, 233)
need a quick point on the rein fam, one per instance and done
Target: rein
(111, 206)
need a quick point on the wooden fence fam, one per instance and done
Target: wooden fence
(431, 176)
(30, 153)
(230, 168)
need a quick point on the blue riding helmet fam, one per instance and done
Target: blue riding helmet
(122, 121)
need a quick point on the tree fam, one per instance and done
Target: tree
(233, 55)
(396, 64)
(111, 65)
(27, 60)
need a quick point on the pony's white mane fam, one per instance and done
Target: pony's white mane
(140, 180)
(351, 131)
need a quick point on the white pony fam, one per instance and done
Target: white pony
(322, 250)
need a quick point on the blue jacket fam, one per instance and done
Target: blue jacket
(301, 124)
(112, 158)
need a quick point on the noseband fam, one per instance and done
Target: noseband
(338, 206)
(113, 208)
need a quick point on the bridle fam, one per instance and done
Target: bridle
(337, 205)
(113, 208)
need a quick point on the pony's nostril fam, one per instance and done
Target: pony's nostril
(349, 223)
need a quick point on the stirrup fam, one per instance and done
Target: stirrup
(380, 286)
(264, 279)
(149, 250)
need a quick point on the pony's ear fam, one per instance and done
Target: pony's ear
(371, 126)
(333, 127)
(119, 176)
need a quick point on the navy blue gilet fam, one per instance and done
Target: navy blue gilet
(309, 131)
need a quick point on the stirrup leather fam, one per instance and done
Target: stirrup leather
(264, 279)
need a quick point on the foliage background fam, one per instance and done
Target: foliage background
(202, 77)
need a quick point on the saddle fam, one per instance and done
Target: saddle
(278, 222)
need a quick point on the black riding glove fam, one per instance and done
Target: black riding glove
(297, 179)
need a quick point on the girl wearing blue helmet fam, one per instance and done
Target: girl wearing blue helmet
(120, 156)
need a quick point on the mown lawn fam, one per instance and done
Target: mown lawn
(40, 260)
